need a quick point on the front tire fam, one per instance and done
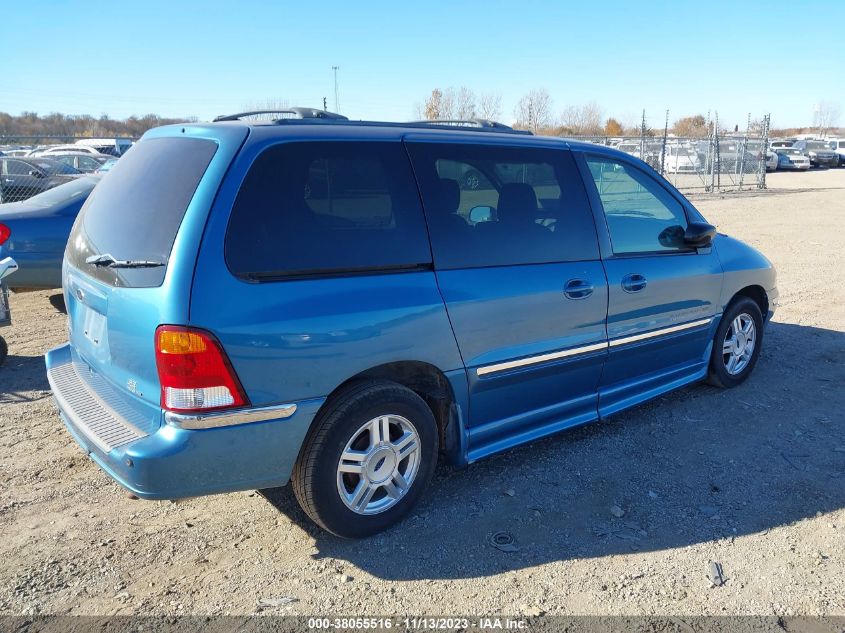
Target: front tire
(368, 459)
(737, 343)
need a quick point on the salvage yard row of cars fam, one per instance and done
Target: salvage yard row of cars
(735, 155)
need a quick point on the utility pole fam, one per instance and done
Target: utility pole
(336, 106)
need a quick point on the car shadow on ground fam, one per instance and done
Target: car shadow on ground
(58, 302)
(698, 465)
(21, 378)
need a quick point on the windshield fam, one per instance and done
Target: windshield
(789, 151)
(817, 145)
(135, 212)
(75, 189)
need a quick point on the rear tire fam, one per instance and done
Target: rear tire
(367, 460)
(4, 350)
(736, 344)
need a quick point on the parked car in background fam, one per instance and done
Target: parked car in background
(781, 142)
(791, 158)
(771, 160)
(85, 163)
(682, 159)
(53, 150)
(111, 146)
(216, 344)
(818, 152)
(38, 229)
(22, 178)
(838, 146)
(106, 166)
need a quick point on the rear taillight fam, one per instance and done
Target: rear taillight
(194, 372)
(5, 232)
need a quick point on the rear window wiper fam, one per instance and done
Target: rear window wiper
(108, 260)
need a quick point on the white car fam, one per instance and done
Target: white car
(771, 160)
(64, 149)
(110, 146)
(838, 146)
(681, 159)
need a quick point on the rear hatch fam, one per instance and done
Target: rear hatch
(130, 259)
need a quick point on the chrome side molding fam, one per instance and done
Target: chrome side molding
(661, 332)
(216, 419)
(587, 349)
(542, 358)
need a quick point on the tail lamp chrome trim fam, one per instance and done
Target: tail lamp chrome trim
(587, 349)
(216, 419)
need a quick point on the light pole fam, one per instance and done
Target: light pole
(336, 107)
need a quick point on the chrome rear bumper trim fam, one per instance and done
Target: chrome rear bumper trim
(217, 419)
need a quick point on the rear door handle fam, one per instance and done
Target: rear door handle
(634, 282)
(578, 289)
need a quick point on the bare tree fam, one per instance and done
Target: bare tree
(434, 105)
(465, 104)
(490, 106)
(825, 116)
(584, 119)
(534, 110)
(447, 105)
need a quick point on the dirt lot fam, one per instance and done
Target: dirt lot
(753, 478)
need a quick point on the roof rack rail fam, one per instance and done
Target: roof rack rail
(298, 113)
(485, 125)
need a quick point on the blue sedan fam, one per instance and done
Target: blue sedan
(37, 230)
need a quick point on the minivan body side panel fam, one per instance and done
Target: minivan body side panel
(745, 266)
(502, 314)
(302, 338)
(533, 353)
(660, 337)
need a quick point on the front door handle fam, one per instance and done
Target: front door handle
(578, 289)
(634, 282)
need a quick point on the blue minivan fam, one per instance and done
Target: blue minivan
(335, 304)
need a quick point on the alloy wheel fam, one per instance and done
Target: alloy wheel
(379, 464)
(739, 343)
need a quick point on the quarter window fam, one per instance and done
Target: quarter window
(642, 216)
(329, 208)
(500, 206)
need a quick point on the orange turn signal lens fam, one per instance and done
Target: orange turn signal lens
(172, 341)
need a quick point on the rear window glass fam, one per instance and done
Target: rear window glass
(327, 208)
(134, 214)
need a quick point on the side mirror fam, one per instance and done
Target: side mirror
(35, 173)
(699, 234)
(481, 214)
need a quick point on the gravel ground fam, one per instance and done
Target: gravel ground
(621, 517)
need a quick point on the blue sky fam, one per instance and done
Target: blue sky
(182, 58)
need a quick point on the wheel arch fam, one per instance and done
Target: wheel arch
(430, 384)
(757, 294)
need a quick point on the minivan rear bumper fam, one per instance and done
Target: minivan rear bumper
(173, 462)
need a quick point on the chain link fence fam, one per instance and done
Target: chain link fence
(30, 165)
(717, 162)
(713, 163)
